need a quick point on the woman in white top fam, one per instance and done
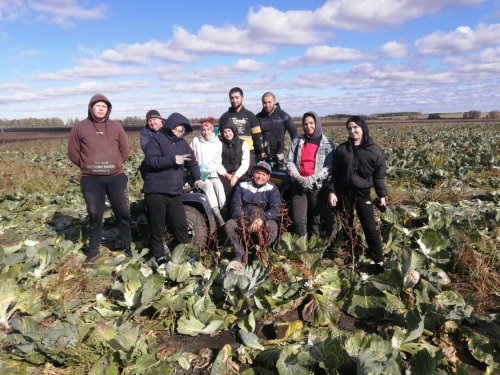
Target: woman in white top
(208, 151)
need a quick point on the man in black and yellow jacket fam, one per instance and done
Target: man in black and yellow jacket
(245, 121)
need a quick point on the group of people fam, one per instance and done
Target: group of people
(234, 171)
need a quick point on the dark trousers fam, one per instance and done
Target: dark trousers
(361, 200)
(163, 208)
(95, 189)
(233, 232)
(307, 207)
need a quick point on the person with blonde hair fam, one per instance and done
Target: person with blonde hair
(208, 152)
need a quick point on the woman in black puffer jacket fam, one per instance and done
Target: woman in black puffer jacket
(359, 166)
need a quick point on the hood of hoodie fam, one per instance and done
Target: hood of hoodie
(213, 139)
(99, 98)
(176, 119)
(318, 131)
(231, 126)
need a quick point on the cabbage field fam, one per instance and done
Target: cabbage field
(297, 309)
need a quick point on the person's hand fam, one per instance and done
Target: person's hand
(383, 202)
(263, 156)
(180, 159)
(332, 199)
(322, 174)
(199, 184)
(234, 180)
(303, 182)
(235, 265)
(311, 180)
(300, 179)
(256, 225)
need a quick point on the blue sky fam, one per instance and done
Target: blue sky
(339, 56)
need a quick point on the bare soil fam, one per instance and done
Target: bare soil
(206, 347)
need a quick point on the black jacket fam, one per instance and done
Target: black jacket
(247, 125)
(274, 127)
(162, 174)
(358, 168)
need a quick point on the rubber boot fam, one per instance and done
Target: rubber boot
(218, 217)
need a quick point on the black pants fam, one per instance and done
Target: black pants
(361, 200)
(307, 207)
(163, 208)
(94, 190)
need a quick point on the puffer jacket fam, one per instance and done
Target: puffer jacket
(363, 168)
(161, 173)
(252, 201)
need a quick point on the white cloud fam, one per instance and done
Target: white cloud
(85, 88)
(484, 66)
(371, 14)
(323, 55)
(223, 72)
(59, 12)
(13, 86)
(211, 40)
(459, 40)
(394, 50)
(29, 53)
(292, 27)
(138, 53)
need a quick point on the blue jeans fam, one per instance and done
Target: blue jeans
(95, 189)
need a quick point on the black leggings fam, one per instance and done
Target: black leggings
(361, 201)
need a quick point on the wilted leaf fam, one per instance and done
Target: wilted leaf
(250, 339)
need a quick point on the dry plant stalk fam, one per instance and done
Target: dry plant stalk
(477, 274)
(259, 242)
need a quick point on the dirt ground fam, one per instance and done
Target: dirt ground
(206, 347)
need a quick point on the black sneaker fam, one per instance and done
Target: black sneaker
(92, 257)
(161, 260)
(379, 268)
(375, 269)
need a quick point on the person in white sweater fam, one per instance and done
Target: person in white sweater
(208, 152)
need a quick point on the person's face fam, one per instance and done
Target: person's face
(178, 130)
(355, 132)
(260, 177)
(155, 124)
(207, 130)
(268, 103)
(309, 126)
(228, 134)
(236, 99)
(99, 111)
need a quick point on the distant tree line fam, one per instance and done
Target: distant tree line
(140, 121)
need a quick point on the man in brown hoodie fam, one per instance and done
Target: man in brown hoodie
(99, 146)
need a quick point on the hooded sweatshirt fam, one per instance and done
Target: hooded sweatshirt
(98, 148)
(323, 158)
(247, 125)
(209, 152)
